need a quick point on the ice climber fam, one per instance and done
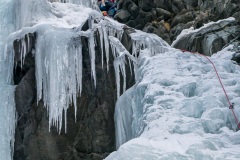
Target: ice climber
(108, 7)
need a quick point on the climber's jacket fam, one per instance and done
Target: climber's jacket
(109, 6)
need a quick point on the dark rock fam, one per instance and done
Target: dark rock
(211, 39)
(21, 70)
(176, 30)
(179, 13)
(177, 6)
(183, 18)
(165, 4)
(160, 29)
(237, 16)
(132, 23)
(133, 10)
(162, 12)
(146, 6)
(122, 16)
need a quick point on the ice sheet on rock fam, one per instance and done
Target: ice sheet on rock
(8, 121)
(123, 118)
(152, 42)
(7, 26)
(179, 109)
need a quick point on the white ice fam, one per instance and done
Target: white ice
(7, 104)
(178, 110)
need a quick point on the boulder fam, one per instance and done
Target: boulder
(122, 16)
(162, 12)
(146, 6)
(211, 39)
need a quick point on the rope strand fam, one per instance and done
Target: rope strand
(220, 81)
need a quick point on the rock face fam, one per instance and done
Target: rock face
(167, 18)
(92, 136)
(211, 39)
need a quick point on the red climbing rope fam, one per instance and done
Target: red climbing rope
(230, 104)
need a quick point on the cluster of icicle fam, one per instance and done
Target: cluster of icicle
(59, 61)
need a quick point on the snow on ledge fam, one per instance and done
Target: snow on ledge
(186, 32)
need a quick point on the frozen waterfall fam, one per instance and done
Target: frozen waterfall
(58, 50)
(7, 105)
(178, 110)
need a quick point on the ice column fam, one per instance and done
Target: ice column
(7, 105)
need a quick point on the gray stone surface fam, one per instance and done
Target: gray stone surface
(180, 14)
(211, 39)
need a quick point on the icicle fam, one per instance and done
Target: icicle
(117, 75)
(91, 42)
(119, 53)
(100, 31)
(79, 66)
(39, 68)
(65, 118)
(28, 43)
(123, 71)
(24, 49)
(106, 43)
(130, 65)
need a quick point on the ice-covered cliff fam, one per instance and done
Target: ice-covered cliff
(66, 54)
(70, 66)
(178, 109)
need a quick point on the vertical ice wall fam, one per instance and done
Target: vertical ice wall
(126, 109)
(28, 12)
(7, 105)
(7, 120)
